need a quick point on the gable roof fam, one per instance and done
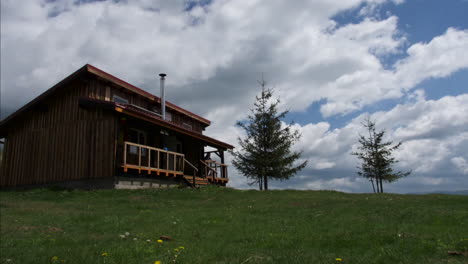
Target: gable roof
(87, 68)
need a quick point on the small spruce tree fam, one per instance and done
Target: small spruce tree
(266, 151)
(376, 157)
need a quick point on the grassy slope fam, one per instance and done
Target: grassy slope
(217, 225)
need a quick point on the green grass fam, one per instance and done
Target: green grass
(218, 225)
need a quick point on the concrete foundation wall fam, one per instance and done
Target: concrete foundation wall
(145, 183)
(106, 183)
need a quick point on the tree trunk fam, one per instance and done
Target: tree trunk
(373, 188)
(260, 183)
(265, 181)
(377, 185)
(381, 185)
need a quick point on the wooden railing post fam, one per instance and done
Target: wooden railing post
(125, 154)
(157, 164)
(149, 161)
(139, 160)
(167, 160)
(125, 157)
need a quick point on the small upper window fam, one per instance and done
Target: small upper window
(119, 99)
(155, 109)
(187, 126)
(168, 116)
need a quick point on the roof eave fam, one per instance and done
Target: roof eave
(209, 140)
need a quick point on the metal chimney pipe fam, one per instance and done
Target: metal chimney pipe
(163, 98)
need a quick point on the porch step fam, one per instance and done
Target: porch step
(217, 180)
(198, 180)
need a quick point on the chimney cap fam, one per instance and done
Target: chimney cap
(162, 75)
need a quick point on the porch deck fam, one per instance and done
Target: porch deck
(147, 159)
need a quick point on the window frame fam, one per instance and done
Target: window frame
(119, 99)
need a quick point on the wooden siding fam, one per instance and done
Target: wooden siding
(59, 141)
(104, 90)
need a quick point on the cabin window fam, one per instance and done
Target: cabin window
(187, 126)
(164, 132)
(138, 137)
(108, 93)
(155, 109)
(119, 99)
(168, 116)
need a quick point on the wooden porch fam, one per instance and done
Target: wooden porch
(160, 162)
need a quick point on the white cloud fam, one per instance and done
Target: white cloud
(195, 46)
(442, 56)
(461, 163)
(309, 57)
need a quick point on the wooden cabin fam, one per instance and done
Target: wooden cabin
(94, 130)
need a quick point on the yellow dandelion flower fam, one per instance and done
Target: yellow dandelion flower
(104, 254)
(160, 241)
(54, 258)
(338, 259)
(176, 249)
(181, 247)
(157, 262)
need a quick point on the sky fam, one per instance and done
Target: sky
(332, 63)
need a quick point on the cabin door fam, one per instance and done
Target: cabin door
(139, 137)
(173, 144)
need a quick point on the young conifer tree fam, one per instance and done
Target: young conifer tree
(266, 151)
(376, 157)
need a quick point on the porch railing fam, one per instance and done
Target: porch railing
(214, 170)
(195, 173)
(146, 158)
(150, 159)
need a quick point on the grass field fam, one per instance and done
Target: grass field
(218, 225)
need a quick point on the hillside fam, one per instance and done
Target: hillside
(217, 225)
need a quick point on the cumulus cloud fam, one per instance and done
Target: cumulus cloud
(219, 49)
(43, 41)
(461, 163)
(440, 57)
(434, 135)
